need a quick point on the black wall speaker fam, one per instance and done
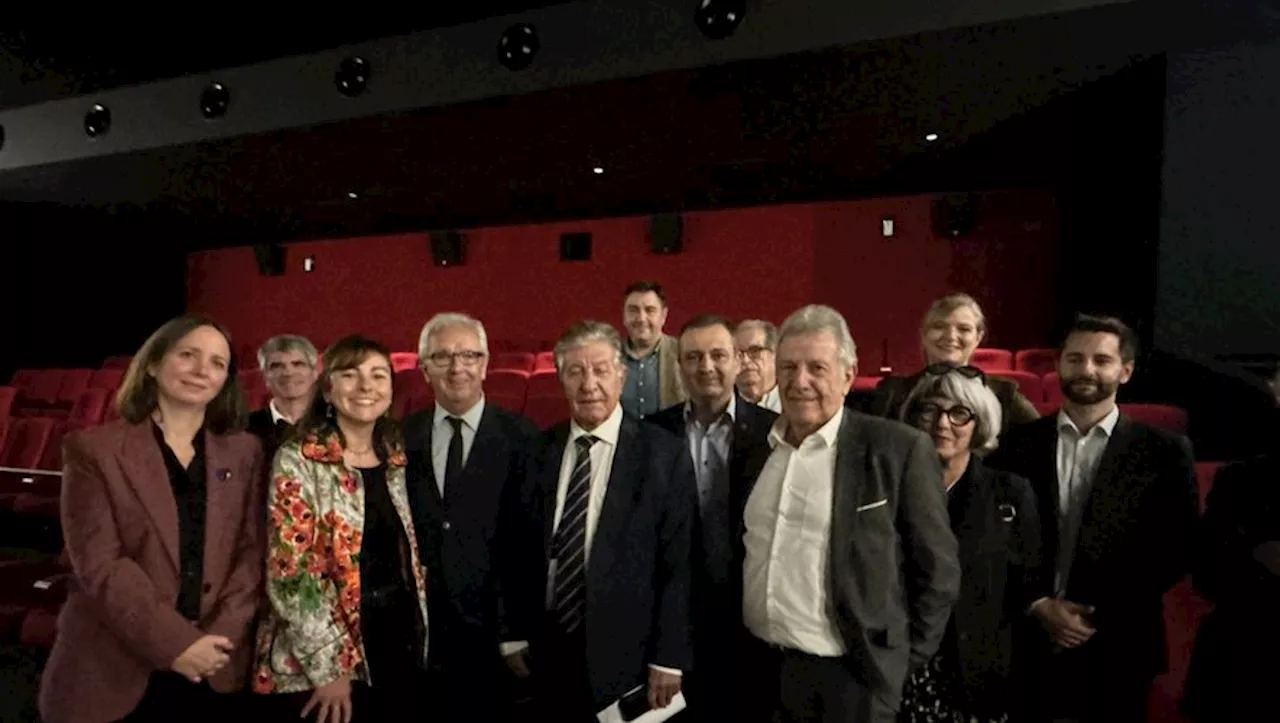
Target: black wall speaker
(575, 246)
(666, 233)
(271, 259)
(954, 215)
(448, 248)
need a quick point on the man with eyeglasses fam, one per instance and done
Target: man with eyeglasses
(728, 439)
(470, 464)
(755, 340)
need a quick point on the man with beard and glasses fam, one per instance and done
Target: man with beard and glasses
(1118, 511)
(651, 358)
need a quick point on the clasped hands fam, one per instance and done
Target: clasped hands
(1066, 622)
(204, 658)
(663, 686)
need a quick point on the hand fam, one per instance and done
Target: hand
(663, 687)
(203, 658)
(518, 662)
(1064, 621)
(1268, 553)
(331, 701)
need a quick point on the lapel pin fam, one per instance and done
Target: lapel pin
(1007, 512)
(223, 474)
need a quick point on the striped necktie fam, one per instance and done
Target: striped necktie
(570, 599)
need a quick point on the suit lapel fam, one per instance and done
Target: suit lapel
(551, 483)
(850, 459)
(426, 462)
(144, 469)
(628, 461)
(477, 466)
(221, 498)
(1104, 479)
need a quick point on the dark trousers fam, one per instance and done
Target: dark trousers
(466, 677)
(780, 685)
(562, 688)
(1087, 686)
(170, 697)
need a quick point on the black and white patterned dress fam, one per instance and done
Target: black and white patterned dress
(934, 694)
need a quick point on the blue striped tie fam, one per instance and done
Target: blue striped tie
(570, 599)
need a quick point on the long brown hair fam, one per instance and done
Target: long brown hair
(346, 353)
(139, 393)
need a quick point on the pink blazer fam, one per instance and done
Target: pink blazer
(120, 524)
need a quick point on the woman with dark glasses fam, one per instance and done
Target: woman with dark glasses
(993, 515)
(953, 328)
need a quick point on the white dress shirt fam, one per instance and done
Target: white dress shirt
(1078, 457)
(788, 532)
(442, 435)
(771, 400)
(276, 416)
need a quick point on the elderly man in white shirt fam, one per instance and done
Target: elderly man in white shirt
(850, 567)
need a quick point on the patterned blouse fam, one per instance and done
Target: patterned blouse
(311, 634)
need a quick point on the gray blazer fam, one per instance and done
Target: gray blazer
(895, 570)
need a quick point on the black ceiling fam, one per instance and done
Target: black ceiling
(67, 59)
(838, 123)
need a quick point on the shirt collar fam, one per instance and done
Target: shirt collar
(471, 417)
(1107, 424)
(607, 431)
(276, 416)
(653, 354)
(731, 411)
(826, 434)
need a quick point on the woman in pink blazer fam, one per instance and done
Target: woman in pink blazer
(163, 523)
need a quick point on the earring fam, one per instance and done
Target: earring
(328, 410)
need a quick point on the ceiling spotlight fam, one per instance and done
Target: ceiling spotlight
(352, 195)
(931, 137)
(517, 46)
(717, 19)
(97, 121)
(352, 76)
(597, 170)
(214, 101)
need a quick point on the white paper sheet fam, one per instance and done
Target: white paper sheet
(613, 715)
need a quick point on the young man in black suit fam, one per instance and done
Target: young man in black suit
(1118, 509)
(728, 441)
(289, 367)
(618, 498)
(470, 466)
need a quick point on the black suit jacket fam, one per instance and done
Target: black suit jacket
(478, 540)
(1135, 539)
(997, 523)
(261, 425)
(639, 569)
(894, 570)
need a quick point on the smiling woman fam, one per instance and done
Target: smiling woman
(341, 547)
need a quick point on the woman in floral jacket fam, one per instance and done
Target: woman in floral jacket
(347, 627)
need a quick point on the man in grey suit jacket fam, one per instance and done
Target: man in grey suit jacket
(850, 568)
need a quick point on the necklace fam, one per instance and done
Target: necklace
(355, 451)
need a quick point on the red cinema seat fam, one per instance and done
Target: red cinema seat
(109, 379)
(520, 361)
(1036, 361)
(74, 381)
(545, 361)
(506, 388)
(1205, 474)
(1047, 408)
(23, 449)
(1161, 416)
(992, 360)
(402, 360)
(412, 392)
(22, 378)
(866, 384)
(1052, 389)
(1029, 384)
(7, 397)
(41, 393)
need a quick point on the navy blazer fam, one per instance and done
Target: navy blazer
(639, 569)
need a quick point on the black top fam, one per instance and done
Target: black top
(191, 497)
(393, 626)
(272, 433)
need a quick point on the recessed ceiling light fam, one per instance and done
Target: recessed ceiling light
(931, 137)
(597, 170)
(352, 194)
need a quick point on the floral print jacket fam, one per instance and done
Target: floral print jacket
(311, 634)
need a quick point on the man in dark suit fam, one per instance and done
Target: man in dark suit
(289, 367)
(469, 468)
(619, 499)
(850, 568)
(1118, 509)
(727, 438)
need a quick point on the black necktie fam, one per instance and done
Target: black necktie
(453, 463)
(570, 600)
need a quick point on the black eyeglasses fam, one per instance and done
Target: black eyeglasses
(966, 371)
(929, 413)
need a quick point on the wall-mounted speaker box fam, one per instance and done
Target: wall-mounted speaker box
(955, 215)
(448, 248)
(271, 258)
(666, 233)
(575, 246)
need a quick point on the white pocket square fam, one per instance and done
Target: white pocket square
(873, 505)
